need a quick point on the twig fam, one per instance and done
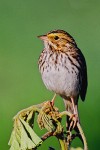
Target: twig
(63, 144)
(49, 118)
(83, 136)
(46, 135)
(79, 128)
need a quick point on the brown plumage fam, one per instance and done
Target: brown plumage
(63, 68)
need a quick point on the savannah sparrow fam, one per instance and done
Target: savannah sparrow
(63, 68)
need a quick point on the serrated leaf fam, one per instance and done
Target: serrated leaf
(47, 122)
(26, 142)
(44, 121)
(30, 116)
(36, 139)
(13, 142)
(11, 138)
(23, 137)
(15, 145)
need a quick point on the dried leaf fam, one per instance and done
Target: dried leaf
(45, 121)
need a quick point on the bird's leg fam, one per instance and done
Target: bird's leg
(53, 99)
(74, 116)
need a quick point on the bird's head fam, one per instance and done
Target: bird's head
(57, 39)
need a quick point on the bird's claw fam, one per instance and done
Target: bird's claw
(74, 120)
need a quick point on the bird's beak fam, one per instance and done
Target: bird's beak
(42, 37)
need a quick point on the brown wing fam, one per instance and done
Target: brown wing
(83, 78)
(79, 57)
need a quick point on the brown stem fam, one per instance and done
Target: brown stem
(47, 135)
(79, 128)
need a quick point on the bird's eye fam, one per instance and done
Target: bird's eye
(56, 37)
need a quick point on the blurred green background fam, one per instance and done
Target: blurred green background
(20, 82)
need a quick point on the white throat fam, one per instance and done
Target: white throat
(47, 45)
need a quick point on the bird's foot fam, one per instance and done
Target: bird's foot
(74, 119)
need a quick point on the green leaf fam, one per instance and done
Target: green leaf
(18, 135)
(23, 137)
(36, 139)
(26, 142)
(13, 142)
(45, 121)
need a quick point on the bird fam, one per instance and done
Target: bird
(63, 69)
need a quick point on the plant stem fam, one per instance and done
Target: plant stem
(79, 128)
(63, 144)
(83, 136)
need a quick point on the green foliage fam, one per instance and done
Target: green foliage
(23, 136)
(20, 82)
